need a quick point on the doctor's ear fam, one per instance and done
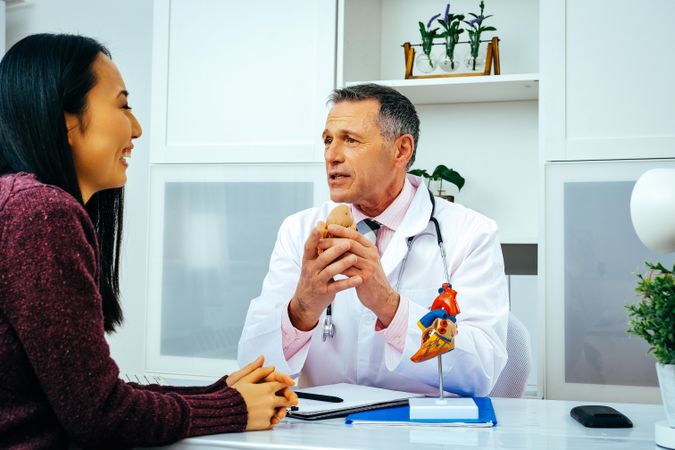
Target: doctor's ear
(405, 146)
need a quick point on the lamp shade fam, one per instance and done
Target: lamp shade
(652, 209)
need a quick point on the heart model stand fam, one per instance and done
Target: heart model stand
(439, 328)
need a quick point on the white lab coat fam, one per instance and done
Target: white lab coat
(357, 354)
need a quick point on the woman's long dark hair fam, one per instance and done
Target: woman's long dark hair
(42, 77)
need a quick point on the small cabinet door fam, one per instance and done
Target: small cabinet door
(592, 257)
(241, 81)
(607, 88)
(212, 230)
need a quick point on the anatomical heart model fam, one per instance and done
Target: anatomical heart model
(439, 326)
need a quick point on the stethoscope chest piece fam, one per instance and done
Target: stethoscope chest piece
(328, 327)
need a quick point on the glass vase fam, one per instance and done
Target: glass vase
(475, 59)
(447, 61)
(425, 63)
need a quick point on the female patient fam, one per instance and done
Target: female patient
(66, 129)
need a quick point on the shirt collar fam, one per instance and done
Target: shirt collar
(393, 215)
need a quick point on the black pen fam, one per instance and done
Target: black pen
(319, 397)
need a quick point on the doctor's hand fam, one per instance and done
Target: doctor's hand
(316, 287)
(375, 292)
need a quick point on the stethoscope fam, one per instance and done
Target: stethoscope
(329, 327)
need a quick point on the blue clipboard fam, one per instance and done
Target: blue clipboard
(400, 415)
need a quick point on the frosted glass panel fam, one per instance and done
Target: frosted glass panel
(602, 255)
(218, 238)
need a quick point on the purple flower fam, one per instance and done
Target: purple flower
(432, 19)
(447, 14)
(477, 20)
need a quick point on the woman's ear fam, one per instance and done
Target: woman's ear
(72, 124)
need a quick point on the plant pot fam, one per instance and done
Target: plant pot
(666, 374)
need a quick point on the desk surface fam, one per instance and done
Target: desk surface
(523, 424)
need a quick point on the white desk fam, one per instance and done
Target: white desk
(523, 424)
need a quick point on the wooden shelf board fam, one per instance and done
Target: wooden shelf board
(490, 88)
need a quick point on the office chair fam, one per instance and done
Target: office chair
(513, 379)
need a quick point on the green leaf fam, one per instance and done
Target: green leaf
(423, 29)
(441, 172)
(488, 29)
(420, 173)
(653, 318)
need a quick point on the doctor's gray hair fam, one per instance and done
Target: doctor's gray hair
(397, 114)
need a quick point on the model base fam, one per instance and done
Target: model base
(428, 408)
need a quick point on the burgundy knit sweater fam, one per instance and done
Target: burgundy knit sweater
(58, 383)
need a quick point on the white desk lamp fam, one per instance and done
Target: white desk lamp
(652, 210)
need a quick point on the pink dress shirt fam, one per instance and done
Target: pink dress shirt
(293, 340)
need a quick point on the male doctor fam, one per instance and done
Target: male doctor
(378, 291)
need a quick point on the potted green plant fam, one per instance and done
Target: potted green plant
(441, 173)
(653, 319)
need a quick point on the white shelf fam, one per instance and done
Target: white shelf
(490, 88)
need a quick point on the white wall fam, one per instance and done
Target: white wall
(125, 27)
(494, 147)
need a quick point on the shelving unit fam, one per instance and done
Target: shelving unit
(486, 127)
(492, 88)
(371, 34)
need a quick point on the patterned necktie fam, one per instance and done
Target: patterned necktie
(368, 228)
